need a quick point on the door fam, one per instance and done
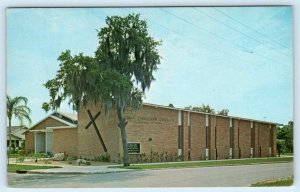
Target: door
(40, 142)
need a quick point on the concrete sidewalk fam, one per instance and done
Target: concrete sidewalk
(80, 170)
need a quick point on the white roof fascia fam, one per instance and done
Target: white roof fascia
(14, 137)
(180, 109)
(40, 121)
(63, 121)
(52, 116)
(40, 130)
(73, 117)
(61, 127)
(19, 136)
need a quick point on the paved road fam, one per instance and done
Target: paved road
(232, 176)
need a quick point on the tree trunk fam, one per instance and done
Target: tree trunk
(122, 124)
(9, 133)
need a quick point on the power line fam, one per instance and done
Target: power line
(265, 36)
(207, 31)
(244, 34)
(215, 35)
(186, 21)
(180, 34)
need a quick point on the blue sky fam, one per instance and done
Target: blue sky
(239, 58)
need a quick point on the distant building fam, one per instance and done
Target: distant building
(188, 134)
(17, 136)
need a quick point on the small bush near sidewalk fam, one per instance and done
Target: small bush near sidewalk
(274, 183)
(101, 158)
(12, 168)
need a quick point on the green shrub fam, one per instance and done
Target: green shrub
(47, 161)
(49, 154)
(152, 157)
(70, 159)
(21, 152)
(37, 156)
(102, 158)
(20, 158)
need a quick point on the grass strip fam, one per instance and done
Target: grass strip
(210, 163)
(12, 168)
(274, 183)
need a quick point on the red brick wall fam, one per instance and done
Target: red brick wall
(186, 138)
(245, 138)
(155, 128)
(256, 139)
(264, 134)
(213, 124)
(89, 144)
(29, 142)
(197, 136)
(222, 137)
(273, 143)
(65, 141)
(235, 138)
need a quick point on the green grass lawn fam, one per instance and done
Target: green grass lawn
(211, 163)
(12, 168)
(274, 183)
(14, 155)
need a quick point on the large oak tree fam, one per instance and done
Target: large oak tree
(117, 76)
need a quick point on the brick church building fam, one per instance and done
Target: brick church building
(190, 135)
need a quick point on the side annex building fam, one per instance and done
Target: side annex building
(188, 134)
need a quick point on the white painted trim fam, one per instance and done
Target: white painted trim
(51, 116)
(230, 122)
(179, 152)
(179, 118)
(16, 136)
(206, 120)
(62, 121)
(41, 121)
(230, 153)
(234, 117)
(251, 124)
(40, 130)
(61, 127)
(73, 117)
(206, 154)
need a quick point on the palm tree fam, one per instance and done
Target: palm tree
(17, 108)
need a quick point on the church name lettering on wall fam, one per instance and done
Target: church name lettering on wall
(149, 120)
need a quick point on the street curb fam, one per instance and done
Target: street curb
(75, 172)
